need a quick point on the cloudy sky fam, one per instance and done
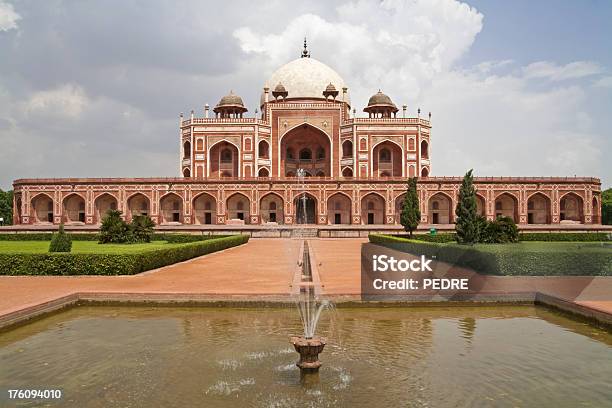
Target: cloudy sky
(94, 88)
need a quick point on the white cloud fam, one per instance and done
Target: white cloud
(395, 45)
(605, 82)
(68, 100)
(500, 126)
(8, 16)
(554, 72)
(491, 116)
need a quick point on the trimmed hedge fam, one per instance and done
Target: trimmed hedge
(510, 259)
(441, 238)
(111, 264)
(525, 236)
(566, 236)
(46, 236)
(185, 238)
(94, 236)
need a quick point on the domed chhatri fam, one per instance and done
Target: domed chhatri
(280, 92)
(230, 106)
(380, 106)
(306, 78)
(330, 91)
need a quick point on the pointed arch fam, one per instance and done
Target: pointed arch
(104, 203)
(339, 208)
(424, 149)
(373, 209)
(263, 150)
(571, 208)
(171, 209)
(272, 208)
(296, 141)
(440, 209)
(138, 204)
(41, 208)
(387, 159)
(204, 209)
(305, 208)
(539, 209)
(73, 209)
(506, 205)
(347, 149)
(221, 164)
(238, 207)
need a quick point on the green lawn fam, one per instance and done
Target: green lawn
(80, 247)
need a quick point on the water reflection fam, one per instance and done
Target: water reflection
(443, 357)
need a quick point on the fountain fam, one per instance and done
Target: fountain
(309, 345)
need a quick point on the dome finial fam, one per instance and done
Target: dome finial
(305, 52)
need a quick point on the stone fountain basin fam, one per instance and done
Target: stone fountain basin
(309, 350)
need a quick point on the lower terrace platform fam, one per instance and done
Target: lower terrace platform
(306, 230)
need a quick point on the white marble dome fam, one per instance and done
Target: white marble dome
(305, 78)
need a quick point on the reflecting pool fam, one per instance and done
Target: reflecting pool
(519, 356)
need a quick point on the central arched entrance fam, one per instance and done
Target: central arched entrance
(305, 209)
(305, 147)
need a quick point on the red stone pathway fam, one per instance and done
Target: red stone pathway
(260, 267)
(266, 267)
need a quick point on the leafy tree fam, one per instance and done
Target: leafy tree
(606, 207)
(60, 242)
(6, 206)
(411, 214)
(114, 229)
(467, 224)
(142, 228)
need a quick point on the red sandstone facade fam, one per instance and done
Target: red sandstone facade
(238, 170)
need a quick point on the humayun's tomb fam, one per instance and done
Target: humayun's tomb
(238, 170)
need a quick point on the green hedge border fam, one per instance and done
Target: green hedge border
(493, 261)
(525, 236)
(94, 236)
(112, 264)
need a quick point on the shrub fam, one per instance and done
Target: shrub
(111, 264)
(141, 228)
(501, 231)
(114, 229)
(60, 242)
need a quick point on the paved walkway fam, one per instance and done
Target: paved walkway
(260, 267)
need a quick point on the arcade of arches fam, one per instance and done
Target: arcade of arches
(306, 207)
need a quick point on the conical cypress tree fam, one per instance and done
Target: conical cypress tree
(467, 223)
(60, 242)
(411, 214)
